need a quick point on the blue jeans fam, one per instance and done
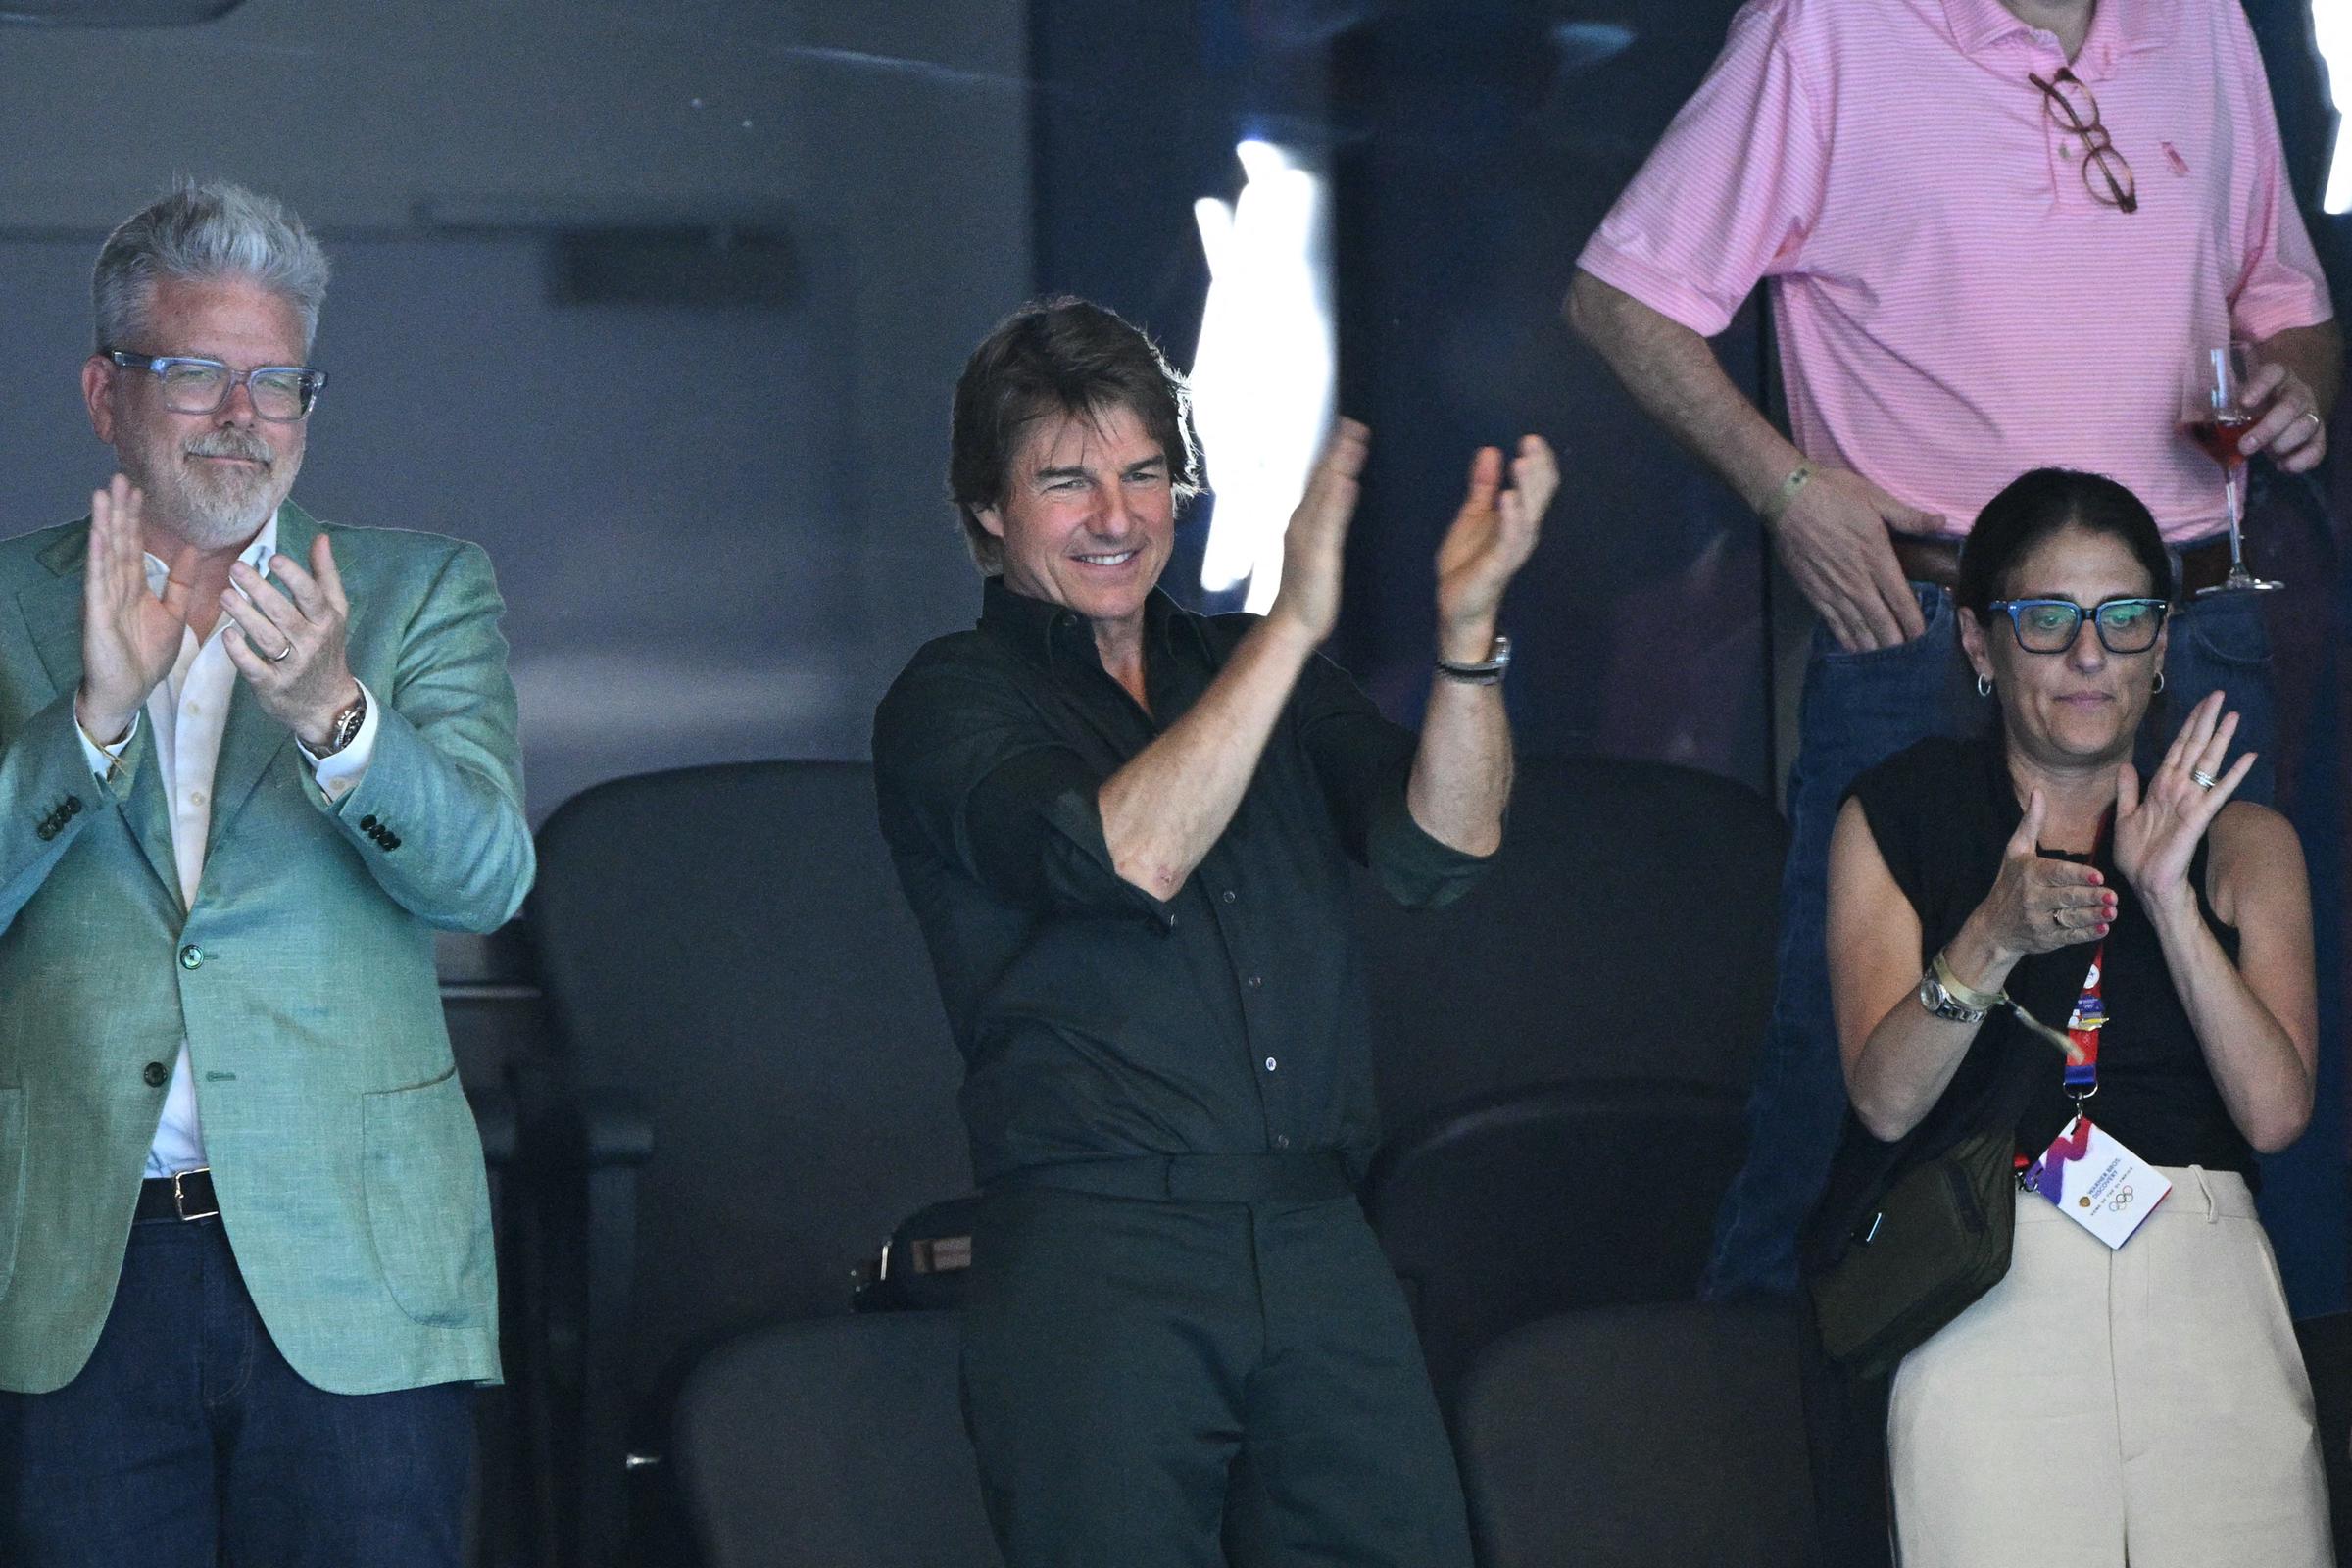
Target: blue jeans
(188, 1441)
(1859, 708)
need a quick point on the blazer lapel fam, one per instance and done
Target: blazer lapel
(52, 613)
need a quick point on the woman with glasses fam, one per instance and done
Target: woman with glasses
(2132, 1386)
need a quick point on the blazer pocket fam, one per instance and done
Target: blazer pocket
(12, 1180)
(420, 1162)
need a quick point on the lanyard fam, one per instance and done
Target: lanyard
(2082, 1025)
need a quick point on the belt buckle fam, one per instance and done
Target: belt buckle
(180, 1198)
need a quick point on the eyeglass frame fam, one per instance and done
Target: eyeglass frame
(158, 364)
(2083, 612)
(2098, 143)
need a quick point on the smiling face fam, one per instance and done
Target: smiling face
(2082, 706)
(1088, 516)
(213, 478)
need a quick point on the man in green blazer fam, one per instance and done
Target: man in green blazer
(248, 763)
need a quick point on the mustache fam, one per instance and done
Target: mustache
(246, 444)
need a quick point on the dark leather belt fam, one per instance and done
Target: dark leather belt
(1195, 1178)
(186, 1196)
(1937, 562)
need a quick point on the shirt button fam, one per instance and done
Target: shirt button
(1255, 981)
(191, 957)
(1282, 1139)
(1229, 895)
(195, 797)
(155, 1074)
(1270, 1064)
(192, 709)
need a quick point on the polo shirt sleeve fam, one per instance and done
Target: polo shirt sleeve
(969, 773)
(1364, 763)
(2280, 284)
(1729, 193)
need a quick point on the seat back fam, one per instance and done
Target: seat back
(1632, 1436)
(729, 946)
(1535, 1202)
(1628, 927)
(2327, 1344)
(824, 1443)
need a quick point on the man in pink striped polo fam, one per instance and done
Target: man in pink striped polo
(1996, 231)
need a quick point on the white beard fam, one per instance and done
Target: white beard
(213, 508)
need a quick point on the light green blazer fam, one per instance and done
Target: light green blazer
(347, 1163)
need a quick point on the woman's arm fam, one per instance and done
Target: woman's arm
(1899, 1056)
(2258, 1018)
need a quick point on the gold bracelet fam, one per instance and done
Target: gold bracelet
(1778, 502)
(1967, 994)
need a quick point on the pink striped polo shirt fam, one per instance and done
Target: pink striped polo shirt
(1953, 308)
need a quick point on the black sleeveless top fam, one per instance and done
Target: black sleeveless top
(1942, 813)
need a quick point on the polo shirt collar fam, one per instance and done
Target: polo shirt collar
(2118, 27)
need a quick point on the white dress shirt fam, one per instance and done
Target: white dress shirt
(189, 710)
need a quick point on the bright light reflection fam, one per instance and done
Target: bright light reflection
(2331, 28)
(1263, 376)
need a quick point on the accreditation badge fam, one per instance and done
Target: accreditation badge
(2097, 1183)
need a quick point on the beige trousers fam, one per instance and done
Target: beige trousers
(2146, 1407)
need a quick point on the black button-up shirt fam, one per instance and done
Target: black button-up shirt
(1096, 1019)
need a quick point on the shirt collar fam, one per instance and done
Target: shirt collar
(2117, 27)
(1032, 627)
(255, 554)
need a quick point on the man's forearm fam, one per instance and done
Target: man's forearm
(1676, 379)
(2316, 354)
(1461, 777)
(1171, 802)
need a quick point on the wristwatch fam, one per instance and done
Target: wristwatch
(1487, 673)
(1942, 993)
(347, 725)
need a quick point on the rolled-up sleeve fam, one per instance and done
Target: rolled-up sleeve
(969, 774)
(1365, 763)
(1730, 192)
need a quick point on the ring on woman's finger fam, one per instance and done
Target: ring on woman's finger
(2316, 424)
(2202, 779)
(287, 652)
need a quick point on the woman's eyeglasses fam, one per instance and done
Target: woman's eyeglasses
(2051, 626)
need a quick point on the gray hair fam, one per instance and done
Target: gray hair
(201, 233)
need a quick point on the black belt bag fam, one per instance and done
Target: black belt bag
(1937, 1241)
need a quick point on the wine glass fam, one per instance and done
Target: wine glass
(2214, 415)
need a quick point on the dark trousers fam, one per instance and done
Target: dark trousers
(1121, 1356)
(187, 1441)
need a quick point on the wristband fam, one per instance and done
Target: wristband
(1488, 673)
(1776, 502)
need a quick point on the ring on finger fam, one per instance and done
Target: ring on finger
(2316, 424)
(287, 652)
(2202, 779)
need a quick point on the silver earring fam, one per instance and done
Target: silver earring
(1983, 685)
(2160, 680)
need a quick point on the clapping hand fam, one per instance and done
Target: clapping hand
(2039, 905)
(1314, 546)
(1490, 539)
(130, 637)
(2157, 829)
(290, 646)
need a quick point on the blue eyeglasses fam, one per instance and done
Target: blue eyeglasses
(2051, 626)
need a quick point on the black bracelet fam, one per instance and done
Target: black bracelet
(1487, 673)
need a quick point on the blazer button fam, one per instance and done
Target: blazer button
(366, 824)
(72, 806)
(390, 841)
(45, 832)
(191, 957)
(155, 1073)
